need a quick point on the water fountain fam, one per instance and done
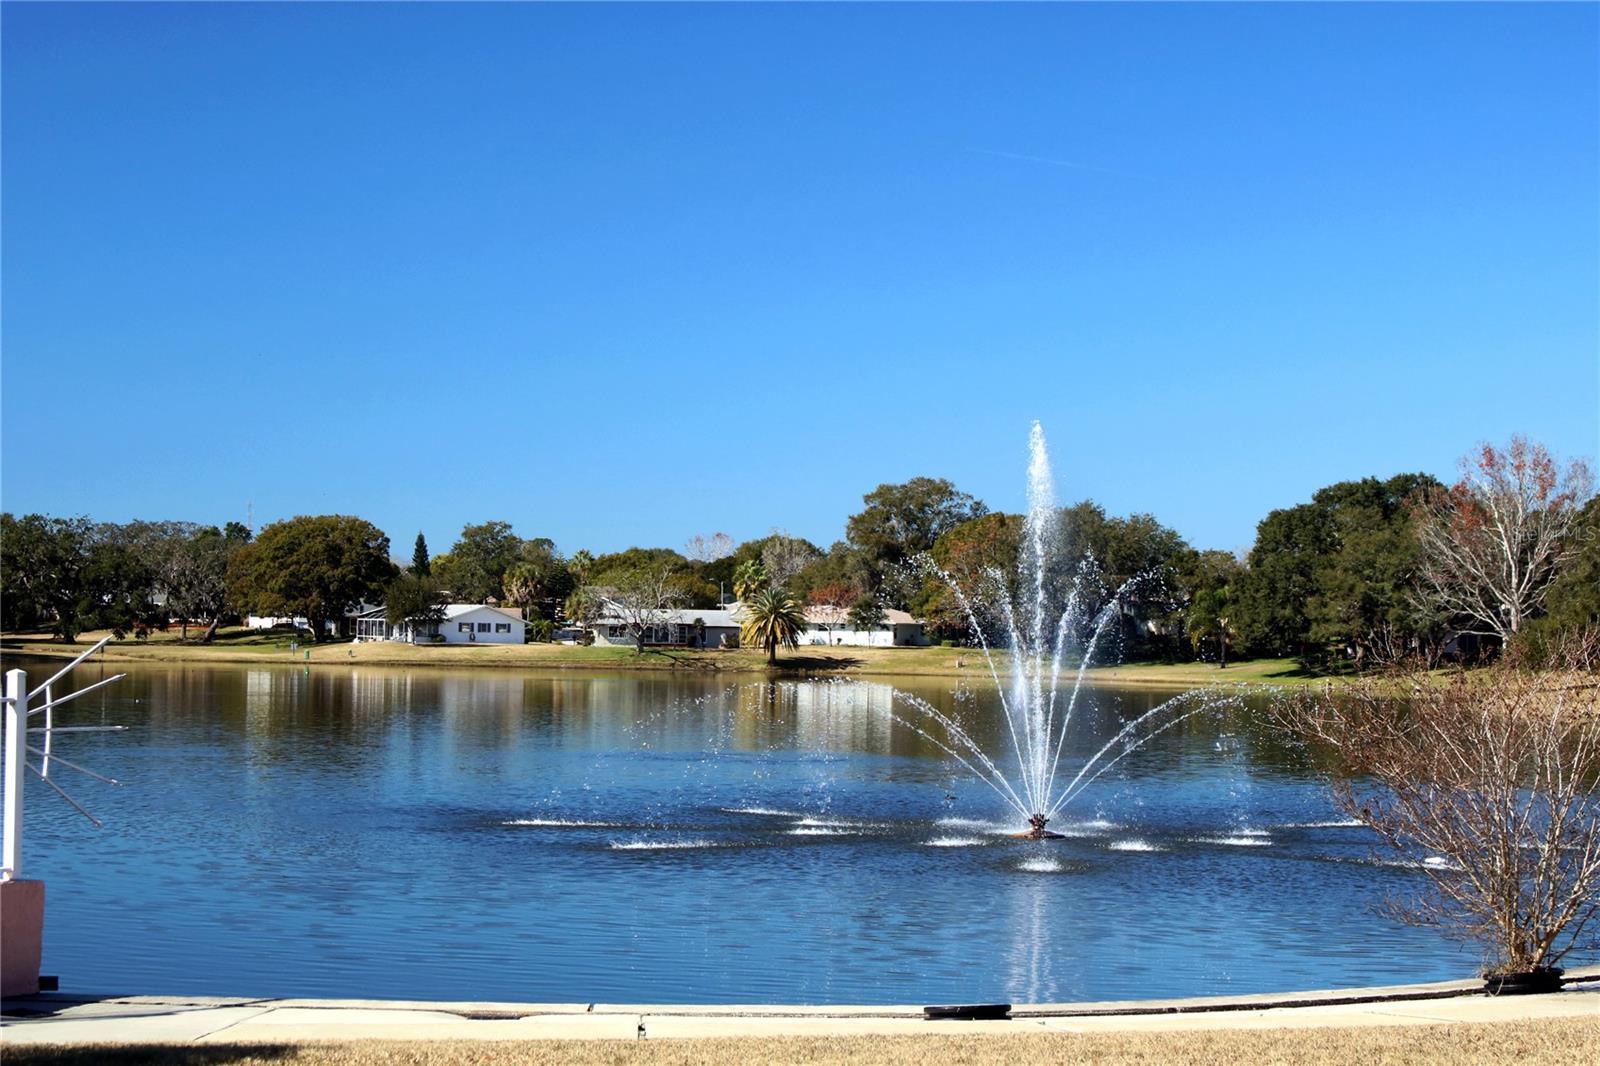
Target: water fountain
(1038, 623)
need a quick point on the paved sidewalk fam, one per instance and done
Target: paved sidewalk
(62, 1019)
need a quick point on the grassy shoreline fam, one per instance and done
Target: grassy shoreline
(240, 646)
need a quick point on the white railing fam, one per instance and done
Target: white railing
(18, 707)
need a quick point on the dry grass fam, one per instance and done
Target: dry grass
(1554, 1041)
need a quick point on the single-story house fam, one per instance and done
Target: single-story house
(829, 625)
(689, 627)
(719, 627)
(345, 627)
(464, 623)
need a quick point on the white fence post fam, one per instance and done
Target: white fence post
(49, 731)
(16, 730)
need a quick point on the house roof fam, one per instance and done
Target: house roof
(891, 616)
(456, 610)
(711, 617)
(686, 616)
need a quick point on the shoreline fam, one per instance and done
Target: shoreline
(59, 1018)
(803, 662)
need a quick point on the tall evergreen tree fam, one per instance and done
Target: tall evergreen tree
(420, 566)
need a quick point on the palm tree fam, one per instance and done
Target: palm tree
(772, 617)
(749, 578)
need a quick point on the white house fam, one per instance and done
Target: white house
(715, 628)
(689, 627)
(351, 614)
(829, 625)
(464, 623)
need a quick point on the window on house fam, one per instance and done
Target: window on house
(502, 627)
(463, 627)
(483, 627)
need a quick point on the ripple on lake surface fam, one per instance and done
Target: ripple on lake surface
(561, 823)
(1330, 823)
(1041, 865)
(984, 824)
(1237, 840)
(1134, 844)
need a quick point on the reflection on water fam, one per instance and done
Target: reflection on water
(676, 838)
(1030, 975)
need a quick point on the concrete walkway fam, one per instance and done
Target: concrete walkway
(60, 1019)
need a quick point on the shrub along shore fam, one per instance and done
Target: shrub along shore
(254, 647)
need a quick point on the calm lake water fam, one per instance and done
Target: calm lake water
(497, 835)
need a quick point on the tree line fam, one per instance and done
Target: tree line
(1365, 572)
(71, 574)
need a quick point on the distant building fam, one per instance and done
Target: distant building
(678, 628)
(827, 625)
(719, 627)
(342, 628)
(464, 623)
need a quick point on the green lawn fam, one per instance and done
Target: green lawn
(253, 646)
(1249, 671)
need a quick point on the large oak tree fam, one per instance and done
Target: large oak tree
(312, 565)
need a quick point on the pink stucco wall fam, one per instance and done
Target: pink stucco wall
(21, 936)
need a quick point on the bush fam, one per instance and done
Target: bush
(1485, 781)
(1544, 644)
(539, 631)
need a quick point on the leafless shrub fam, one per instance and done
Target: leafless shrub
(1556, 648)
(1487, 781)
(1392, 647)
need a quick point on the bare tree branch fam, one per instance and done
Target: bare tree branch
(1486, 783)
(1493, 542)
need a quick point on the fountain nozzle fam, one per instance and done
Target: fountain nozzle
(1036, 829)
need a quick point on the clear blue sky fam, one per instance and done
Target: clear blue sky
(621, 275)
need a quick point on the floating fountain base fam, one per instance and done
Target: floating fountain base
(1036, 830)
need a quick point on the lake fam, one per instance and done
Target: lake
(676, 838)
